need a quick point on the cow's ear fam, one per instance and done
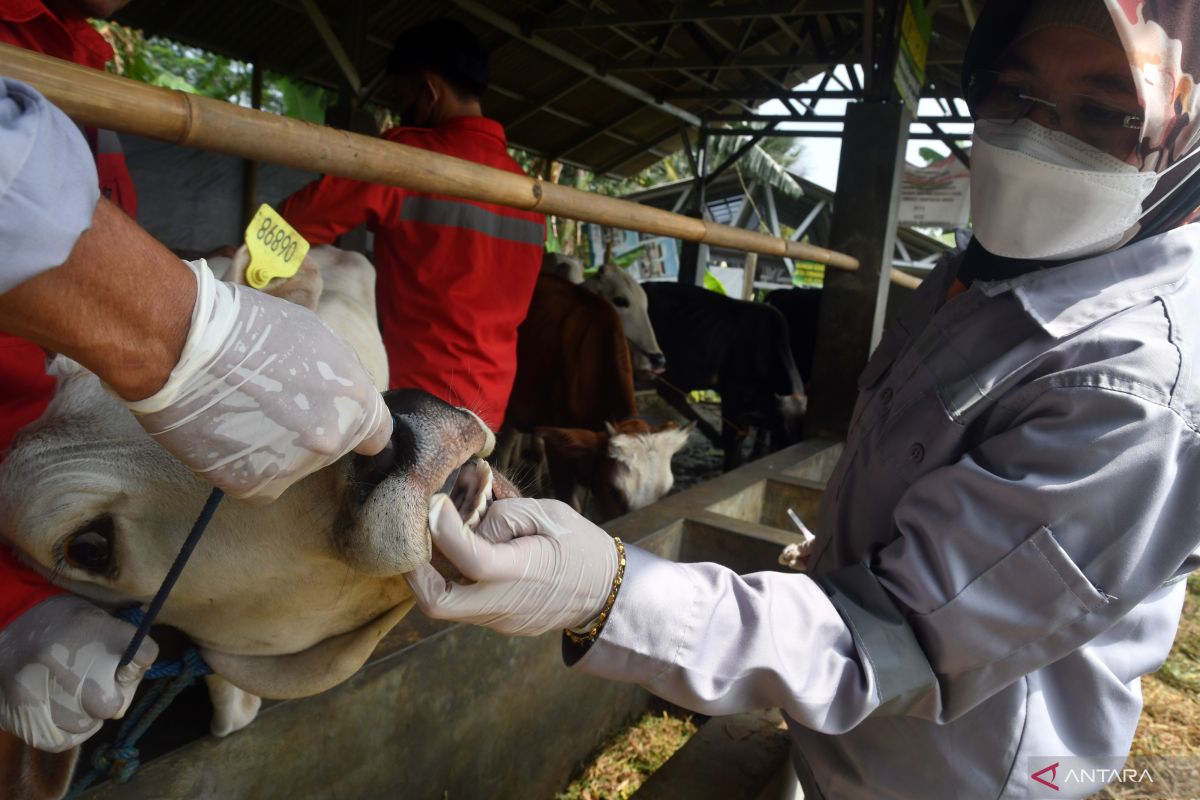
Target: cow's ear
(573, 443)
(304, 288)
(235, 271)
(671, 438)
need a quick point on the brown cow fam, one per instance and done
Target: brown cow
(574, 372)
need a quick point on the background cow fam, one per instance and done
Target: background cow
(574, 372)
(618, 287)
(738, 348)
(802, 309)
(284, 600)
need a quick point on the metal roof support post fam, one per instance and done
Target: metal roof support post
(864, 225)
(866, 205)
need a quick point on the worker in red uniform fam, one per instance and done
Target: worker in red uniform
(455, 277)
(58, 28)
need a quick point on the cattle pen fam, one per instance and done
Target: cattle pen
(431, 714)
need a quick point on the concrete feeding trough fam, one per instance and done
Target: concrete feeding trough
(460, 712)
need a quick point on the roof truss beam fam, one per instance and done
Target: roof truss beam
(760, 93)
(739, 62)
(698, 11)
(330, 40)
(574, 120)
(484, 13)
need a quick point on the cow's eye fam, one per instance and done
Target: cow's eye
(90, 548)
(621, 302)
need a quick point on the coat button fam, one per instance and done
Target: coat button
(885, 396)
(917, 452)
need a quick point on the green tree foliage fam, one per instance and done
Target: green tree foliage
(162, 62)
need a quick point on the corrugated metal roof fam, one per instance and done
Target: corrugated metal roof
(689, 59)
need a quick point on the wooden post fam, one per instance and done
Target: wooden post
(864, 225)
(748, 275)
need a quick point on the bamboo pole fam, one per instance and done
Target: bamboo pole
(107, 101)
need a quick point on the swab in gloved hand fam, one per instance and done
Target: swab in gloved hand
(537, 566)
(263, 394)
(59, 679)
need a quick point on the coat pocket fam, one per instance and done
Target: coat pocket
(1027, 596)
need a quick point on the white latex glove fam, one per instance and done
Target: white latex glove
(58, 672)
(537, 566)
(263, 394)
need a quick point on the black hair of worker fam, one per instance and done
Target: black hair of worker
(447, 48)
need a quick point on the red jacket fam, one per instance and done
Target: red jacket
(25, 388)
(454, 277)
(29, 24)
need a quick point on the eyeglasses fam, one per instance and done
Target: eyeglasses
(996, 96)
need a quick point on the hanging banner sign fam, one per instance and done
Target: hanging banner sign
(936, 196)
(915, 28)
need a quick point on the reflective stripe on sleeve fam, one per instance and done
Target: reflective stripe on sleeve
(461, 214)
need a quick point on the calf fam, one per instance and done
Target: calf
(739, 349)
(574, 372)
(618, 287)
(625, 467)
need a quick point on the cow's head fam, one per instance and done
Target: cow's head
(627, 465)
(619, 288)
(284, 600)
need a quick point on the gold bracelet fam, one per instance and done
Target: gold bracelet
(583, 639)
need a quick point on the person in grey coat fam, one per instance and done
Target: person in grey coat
(1003, 546)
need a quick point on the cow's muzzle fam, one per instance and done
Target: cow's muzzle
(390, 492)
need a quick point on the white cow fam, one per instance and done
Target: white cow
(284, 600)
(619, 288)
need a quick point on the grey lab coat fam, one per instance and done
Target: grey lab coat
(1001, 548)
(48, 186)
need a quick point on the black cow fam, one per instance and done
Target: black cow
(801, 308)
(738, 348)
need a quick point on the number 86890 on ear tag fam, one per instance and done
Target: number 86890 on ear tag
(276, 250)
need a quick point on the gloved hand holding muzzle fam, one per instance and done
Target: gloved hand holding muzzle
(537, 566)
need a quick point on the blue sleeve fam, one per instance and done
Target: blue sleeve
(48, 185)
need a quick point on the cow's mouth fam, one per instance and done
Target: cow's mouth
(471, 490)
(435, 447)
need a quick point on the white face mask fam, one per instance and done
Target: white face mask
(1042, 194)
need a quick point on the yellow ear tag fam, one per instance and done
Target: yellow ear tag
(276, 250)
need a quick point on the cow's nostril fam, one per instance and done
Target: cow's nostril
(370, 471)
(658, 360)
